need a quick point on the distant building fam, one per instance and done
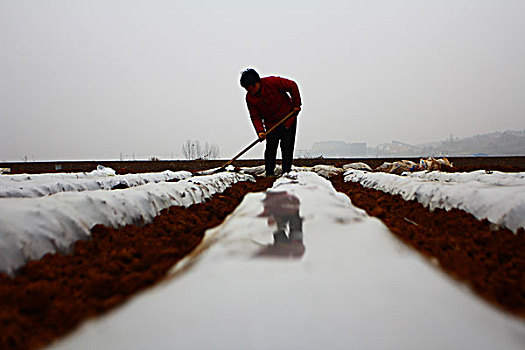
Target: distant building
(397, 148)
(302, 153)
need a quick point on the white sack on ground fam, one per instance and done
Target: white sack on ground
(102, 179)
(402, 166)
(355, 287)
(32, 227)
(500, 199)
(326, 171)
(357, 166)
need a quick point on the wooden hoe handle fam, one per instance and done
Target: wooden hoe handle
(258, 140)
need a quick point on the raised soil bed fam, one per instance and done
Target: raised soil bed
(490, 260)
(51, 296)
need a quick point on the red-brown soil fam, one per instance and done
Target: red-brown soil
(51, 296)
(491, 261)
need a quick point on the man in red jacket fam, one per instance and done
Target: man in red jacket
(269, 100)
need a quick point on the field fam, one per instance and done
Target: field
(326, 282)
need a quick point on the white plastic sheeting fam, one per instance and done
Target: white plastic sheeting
(101, 179)
(496, 178)
(321, 169)
(498, 197)
(355, 287)
(32, 227)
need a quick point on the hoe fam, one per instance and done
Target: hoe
(260, 139)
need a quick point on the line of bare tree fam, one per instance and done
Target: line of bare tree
(192, 149)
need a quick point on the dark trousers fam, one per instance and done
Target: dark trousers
(286, 136)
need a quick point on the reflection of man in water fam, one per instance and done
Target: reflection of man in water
(282, 208)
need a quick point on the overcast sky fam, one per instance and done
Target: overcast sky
(92, 79)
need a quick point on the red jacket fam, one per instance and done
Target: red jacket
(273, 103)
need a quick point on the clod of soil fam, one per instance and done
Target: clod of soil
(53, 295)
(491, 261)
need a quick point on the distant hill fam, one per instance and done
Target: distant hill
(510, 142)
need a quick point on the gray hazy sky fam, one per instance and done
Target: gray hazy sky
(91, 79)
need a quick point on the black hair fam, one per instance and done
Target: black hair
(249, 77)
